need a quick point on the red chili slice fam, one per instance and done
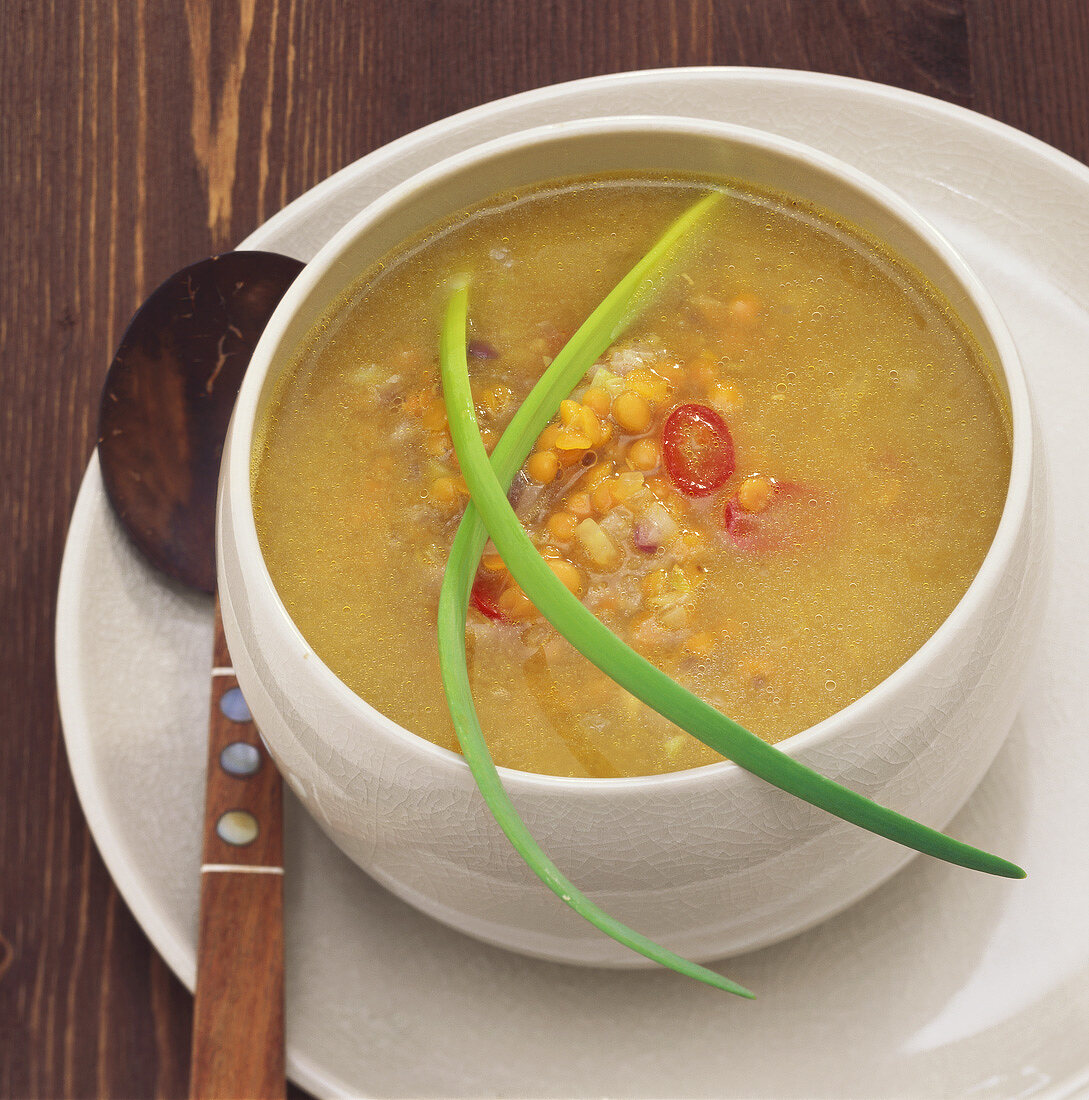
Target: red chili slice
(697, 449)
(795, 515)
(487, 588)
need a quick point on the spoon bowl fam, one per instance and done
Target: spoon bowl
(168, 398)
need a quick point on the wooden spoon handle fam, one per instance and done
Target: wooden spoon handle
(238, 1021)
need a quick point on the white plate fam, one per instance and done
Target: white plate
(942, 983)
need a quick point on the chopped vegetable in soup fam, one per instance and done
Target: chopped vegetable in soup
(775, 486)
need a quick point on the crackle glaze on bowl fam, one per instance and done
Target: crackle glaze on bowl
(710, 861)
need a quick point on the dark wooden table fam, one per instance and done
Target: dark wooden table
(139, 135)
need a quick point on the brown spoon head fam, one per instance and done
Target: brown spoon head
(168, 398)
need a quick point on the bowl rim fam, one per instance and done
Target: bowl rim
(236, 470)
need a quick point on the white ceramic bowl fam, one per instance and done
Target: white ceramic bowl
(710, 861)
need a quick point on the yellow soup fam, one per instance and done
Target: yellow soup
(775, 486)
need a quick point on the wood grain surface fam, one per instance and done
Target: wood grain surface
(137, 136)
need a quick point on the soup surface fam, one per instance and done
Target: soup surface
(775, 485)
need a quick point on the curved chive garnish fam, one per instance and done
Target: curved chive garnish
(461, 568)
(487, 482)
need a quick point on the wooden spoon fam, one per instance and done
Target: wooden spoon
(165, 407)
